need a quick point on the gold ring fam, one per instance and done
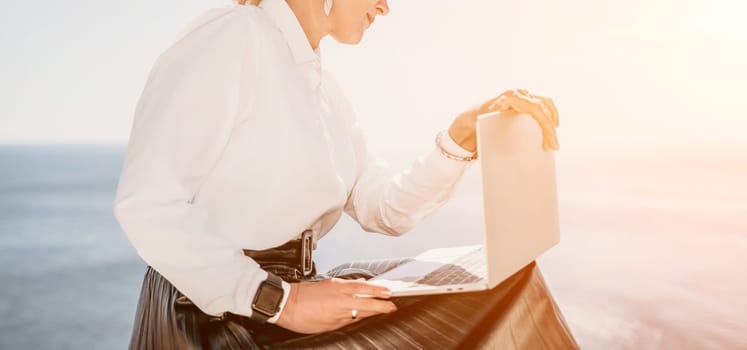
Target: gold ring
(524, 91)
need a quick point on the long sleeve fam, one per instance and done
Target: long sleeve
(198, 90)
(389, 202)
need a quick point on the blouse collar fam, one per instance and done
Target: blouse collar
(284, 18)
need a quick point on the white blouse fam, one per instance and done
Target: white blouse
(241, 141)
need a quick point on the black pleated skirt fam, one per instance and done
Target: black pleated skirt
(520, 313)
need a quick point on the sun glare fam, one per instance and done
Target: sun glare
(721, 16)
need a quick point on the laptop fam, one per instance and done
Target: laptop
(520, 211)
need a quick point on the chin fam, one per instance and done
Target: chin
(350, 39)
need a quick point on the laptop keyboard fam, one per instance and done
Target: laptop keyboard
(469, 268)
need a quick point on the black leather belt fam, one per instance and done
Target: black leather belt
(296, 253)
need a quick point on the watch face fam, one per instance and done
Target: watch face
(268, 299)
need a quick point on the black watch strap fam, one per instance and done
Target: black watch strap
(267, 299)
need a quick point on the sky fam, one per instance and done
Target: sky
(622, 74)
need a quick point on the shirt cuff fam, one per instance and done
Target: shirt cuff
(286, 293)
(450, 146)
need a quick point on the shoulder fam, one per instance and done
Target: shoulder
(229, 19)
(232, 31)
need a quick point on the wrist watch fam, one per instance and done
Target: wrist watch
(266, 303)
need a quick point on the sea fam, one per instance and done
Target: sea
(653, 251)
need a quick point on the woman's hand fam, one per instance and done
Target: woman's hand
(315, 307)
(542, 109)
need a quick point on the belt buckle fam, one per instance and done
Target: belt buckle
(307, 239)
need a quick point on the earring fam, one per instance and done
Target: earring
(327, 6)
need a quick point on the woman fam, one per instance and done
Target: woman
(243, 153)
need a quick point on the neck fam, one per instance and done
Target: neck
(314, 21)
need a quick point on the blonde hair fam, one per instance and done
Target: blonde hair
(251, 2)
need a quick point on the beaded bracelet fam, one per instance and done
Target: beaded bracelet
(449, 155)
